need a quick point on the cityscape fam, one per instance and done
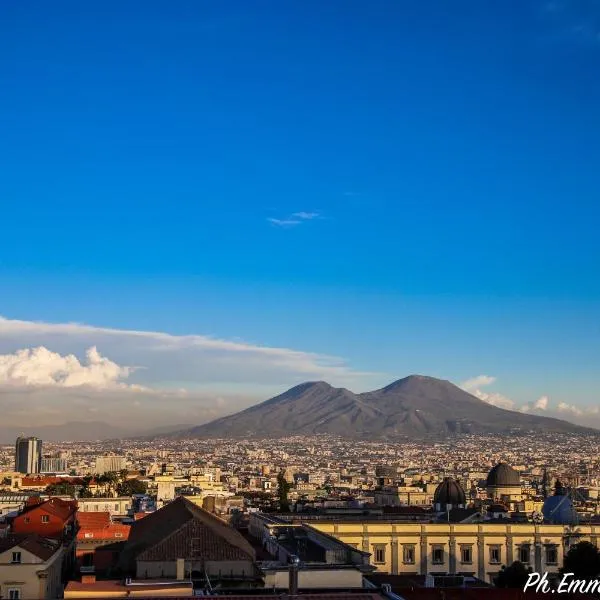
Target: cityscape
(299, 300)
(413, 515)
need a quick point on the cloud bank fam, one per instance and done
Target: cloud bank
(562, 410)
(52, 372)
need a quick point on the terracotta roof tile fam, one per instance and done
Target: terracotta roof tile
(93, 519)
(166, 534)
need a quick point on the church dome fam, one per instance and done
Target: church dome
(449, 491)
(503, 475)
(559, 510)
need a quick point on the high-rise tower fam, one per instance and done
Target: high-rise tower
(28, 455)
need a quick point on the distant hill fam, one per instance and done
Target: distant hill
(82, 431)
(73, 431)
(413, 407)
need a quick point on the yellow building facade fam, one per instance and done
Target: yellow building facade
(477, 550)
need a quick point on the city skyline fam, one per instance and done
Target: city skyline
(210, 204)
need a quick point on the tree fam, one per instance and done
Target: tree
(583, 560)
(514, 576)
(283, 487)
(111, 480)
(84, 490)
(61, 489)
(131, 487)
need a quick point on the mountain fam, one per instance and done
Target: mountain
(413, 407)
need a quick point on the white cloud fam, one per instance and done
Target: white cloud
(284, 222)
(477, 382)
(542, 404)
(294, 219)
(495, 399)
(306, 216)
(474, 384)
(563, 407)
(41, 367)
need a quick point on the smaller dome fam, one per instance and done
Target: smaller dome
(559, 510)
(503, 475)
(449, 491)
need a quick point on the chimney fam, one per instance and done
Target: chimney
(180, 569)
(88, 579)
(293, 583)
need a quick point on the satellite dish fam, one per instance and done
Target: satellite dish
(537, 517)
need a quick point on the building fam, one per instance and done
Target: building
(117, 507)
(99, 543)
(182, 540)
(53, 464)
(110, 463)
(448, 495)
(12, 504)
(28, 455)
(321, 560)
(53, 518)
(88, 587)
(470, 549)
(395, 495)
(503, 484)
(30, 567)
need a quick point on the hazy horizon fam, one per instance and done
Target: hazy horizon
(132, 385)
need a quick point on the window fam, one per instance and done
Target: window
(379, 558)
(551, 555)
(437, 555)
(16, 557)
(495, 556)
(45, 519)
(408, 554)
(89, 535)
(524, 554)
(14, 594)
(116, 508)
(118, 534)
(466, 555)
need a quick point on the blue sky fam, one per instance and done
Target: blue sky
(151, 154)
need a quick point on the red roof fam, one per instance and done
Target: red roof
(45, 481)
(93, 520)
(63, 509)
(109, 532)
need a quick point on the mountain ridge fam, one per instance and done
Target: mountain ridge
(412, 407)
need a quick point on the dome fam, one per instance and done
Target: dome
(449, 492)
(559, 510)
(503, 475)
